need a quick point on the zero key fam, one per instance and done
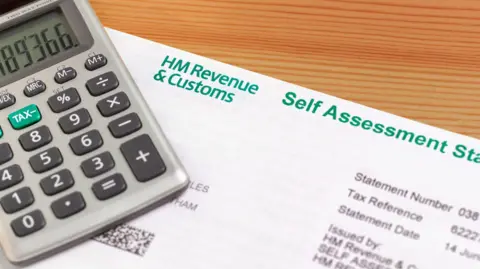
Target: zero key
(143, 158)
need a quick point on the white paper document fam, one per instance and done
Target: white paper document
(284, 177)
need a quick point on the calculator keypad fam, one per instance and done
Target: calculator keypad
(75, 121)
(109, 187)
(65, 75)
(6, 153)
(17, 200)
(102, 84)
(35, 138)
(143, 158)
(125, 125)
(46, 160)
(10, 176)
(57, 183)
(68, 205)
(86, 143)
(54, 179)
(98, 165)
(64, 100)
(28, 223)
(113, 104)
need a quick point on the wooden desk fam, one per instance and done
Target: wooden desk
(416, 59)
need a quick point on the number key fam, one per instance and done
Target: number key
(57, 182)
(86, 143)
(98, 165)
(75, 121)
(28, 224)
(17, 200)
(6, 153)
(10, 176)
(36, 138)
(46, 160)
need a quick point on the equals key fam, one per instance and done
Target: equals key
(109, 187)
(125, 125)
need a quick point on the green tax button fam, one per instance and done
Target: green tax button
(1, 132)
(25, 117)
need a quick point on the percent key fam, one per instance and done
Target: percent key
(64, 100)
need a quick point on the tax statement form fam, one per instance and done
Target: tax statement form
(285, 177)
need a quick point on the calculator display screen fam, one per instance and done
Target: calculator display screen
(31, 43)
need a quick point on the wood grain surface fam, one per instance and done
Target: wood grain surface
(414, 58)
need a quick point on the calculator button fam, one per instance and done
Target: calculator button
(17, 200)
(86, 143)
(10, 176)
(46, 160)
(34, 88)
(125, 125)
(98, 165)
(1, 132)
(109, 187)
(58, 182)
(114, 104)
(75, 121)
(25, 117)
(68, 205)
(28, 224)
(6, 100)
(6, 153)
(143, 158)
(64, 100)
(65, 75)
(95, 62)
(102, 84)
(35, 138)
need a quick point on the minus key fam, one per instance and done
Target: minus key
(125, 125)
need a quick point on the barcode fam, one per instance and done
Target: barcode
(127, 238)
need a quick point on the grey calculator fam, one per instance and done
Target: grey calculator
(80, 151)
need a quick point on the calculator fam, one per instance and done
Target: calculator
(80, 150)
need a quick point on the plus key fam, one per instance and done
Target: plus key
(143, 158)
